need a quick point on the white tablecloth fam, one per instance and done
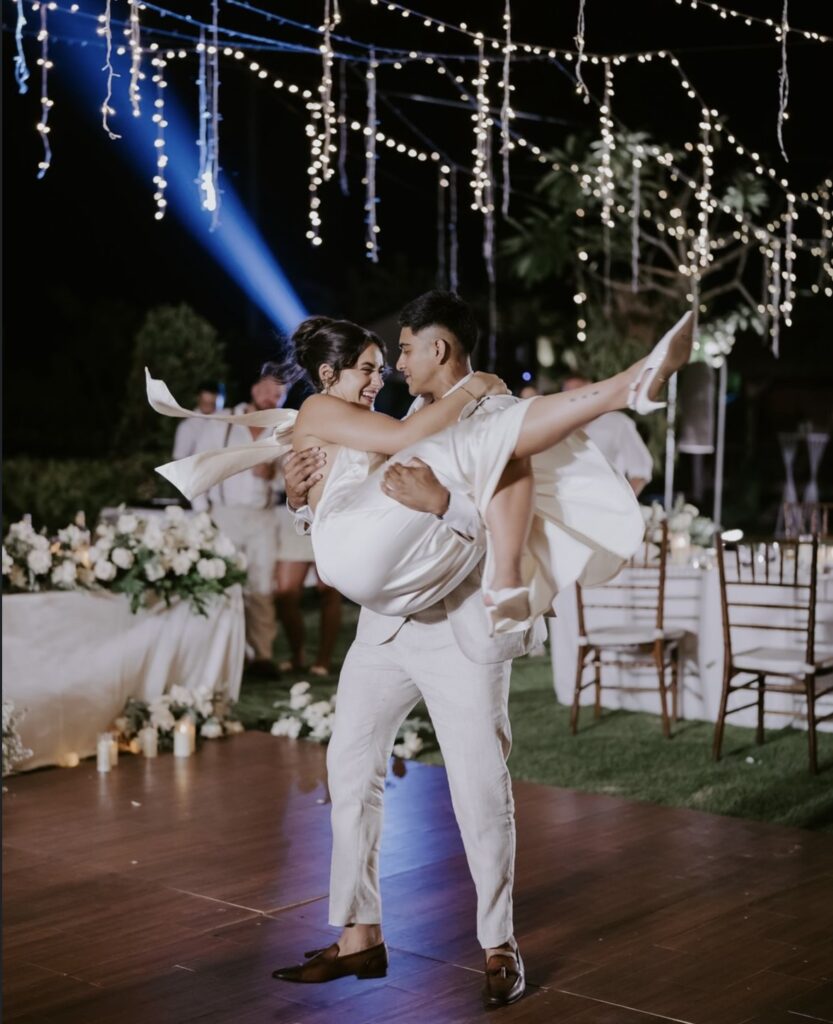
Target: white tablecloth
(692, 604)
(72, 659)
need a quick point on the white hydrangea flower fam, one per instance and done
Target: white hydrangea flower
(105, 570)
(323, 729)
(8, 562)
(161, 718)
(64, 574)
(410, 746)
(153, 538)
(123, 558)
(211, 729)
(181, 563)
(207, 568)
(290, 727)
(40, 562)
(220, 568)
(203, 700)
(299, 696)
(175, 514)
(39, 542)
(154, 570)
(317, 712)
(180, 695)
(224, 546)
(241, 560)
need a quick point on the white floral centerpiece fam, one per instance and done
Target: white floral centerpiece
(13, 750)
(211, 713)
(687, 528)
(302, 717)
(173, 557)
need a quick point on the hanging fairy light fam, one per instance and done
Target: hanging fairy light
(442, 186)
(481, 181)
(453, 241)
(605, 173)
(750, 19)
(774, 297)
(159, 63)
(21, 68)
(783, 80)
(203, 117)
(106, 30)
(703, 194)
(343, 182)
(209, 173)
(372, 240)
(581, 88)
(332, 17)
(789, 259)
(636, 211)
(506, 108)
(134, 35)
(46, 104)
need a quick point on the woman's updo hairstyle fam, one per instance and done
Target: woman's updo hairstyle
(339, 343)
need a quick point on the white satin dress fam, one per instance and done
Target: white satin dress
(395, 561)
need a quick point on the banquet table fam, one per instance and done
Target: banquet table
(693, 605)
(71, 659)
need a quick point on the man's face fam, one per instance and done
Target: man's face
(421, 357)
(266, 393)
(207, 402)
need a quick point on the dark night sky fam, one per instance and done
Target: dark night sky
(87, 231)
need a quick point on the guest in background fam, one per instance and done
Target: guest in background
(243, 506)
(295, 559)
(529, 391)
(189, 432)
(616, 437)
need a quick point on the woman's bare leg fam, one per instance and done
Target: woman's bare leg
(509, 517)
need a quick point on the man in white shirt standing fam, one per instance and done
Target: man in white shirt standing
(616, 437)
(444, 656)
(187, 439)
(243, 508)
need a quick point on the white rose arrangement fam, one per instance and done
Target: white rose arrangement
(174, 557)
(13, 750)
(212, 714)
(303, 717)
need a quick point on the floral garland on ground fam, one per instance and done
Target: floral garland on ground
(13, 750)
(175, 556)
(303, 718)
(210, 712)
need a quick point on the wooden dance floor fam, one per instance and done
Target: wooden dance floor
(168, 890)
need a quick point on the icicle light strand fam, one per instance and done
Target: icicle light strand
(783, 80)
(372, 240)
(46, 104)
(21, 68)
(506, 108)
(159, 64)
(134, 35)
(106, 30)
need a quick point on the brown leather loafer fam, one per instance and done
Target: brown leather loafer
(327, 965)
(505, 979)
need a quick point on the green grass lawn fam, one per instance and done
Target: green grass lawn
(624, 753)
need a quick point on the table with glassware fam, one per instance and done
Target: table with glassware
(692, 604)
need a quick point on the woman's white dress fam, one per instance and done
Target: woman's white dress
(395, 561)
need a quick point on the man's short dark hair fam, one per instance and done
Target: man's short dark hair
(442, 309)
(209, 385)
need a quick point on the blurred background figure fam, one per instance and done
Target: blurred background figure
(616, 437)
(529, 391)
(188, 433)
(295, 560)
(243, 507)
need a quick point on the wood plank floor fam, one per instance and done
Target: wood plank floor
(168, 890)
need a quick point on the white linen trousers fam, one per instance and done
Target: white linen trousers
(468, 704)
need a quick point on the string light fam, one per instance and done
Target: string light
(453, 241)
(581, 88)
(21, 68)
(343, 182)
(506, 108)
(211, 172)
(783, 80)
(106, 30)
(789, 260)
(372, 240)
(46, 104)
(332, 17)
(750, 19)
(636, 200)
(203, 179)
(159, 64)
(442, 185)
(134, 34)
(481, 181)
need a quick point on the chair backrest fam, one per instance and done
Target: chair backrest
(803, 519)
(770, 585)
(638, 589)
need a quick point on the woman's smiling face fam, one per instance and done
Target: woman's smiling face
(360, 384)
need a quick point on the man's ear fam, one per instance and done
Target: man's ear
(442, 349)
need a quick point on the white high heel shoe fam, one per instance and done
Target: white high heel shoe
(671, 352)
(508, 610)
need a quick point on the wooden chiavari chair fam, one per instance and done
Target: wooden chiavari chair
(643, 641)
(772, 586)
(803, 519)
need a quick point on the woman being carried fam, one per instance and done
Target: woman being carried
(555, 511)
